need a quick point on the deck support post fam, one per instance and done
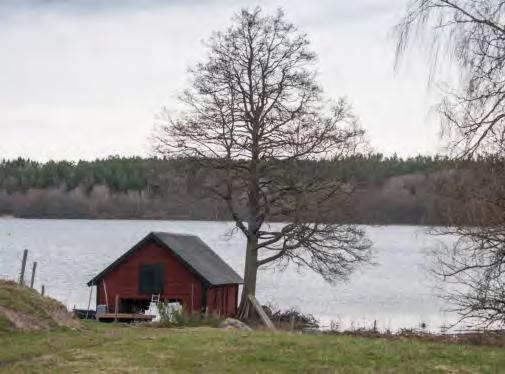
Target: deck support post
(89, 300)
(106, 298)
(116, 307)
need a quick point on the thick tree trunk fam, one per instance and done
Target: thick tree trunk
(250, 273)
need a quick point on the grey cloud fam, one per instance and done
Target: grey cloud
(86, 78)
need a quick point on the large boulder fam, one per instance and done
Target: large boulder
(232, 323)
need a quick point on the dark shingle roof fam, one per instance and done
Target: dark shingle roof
(192, 251)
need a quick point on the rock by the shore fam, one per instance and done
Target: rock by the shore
(232, 323)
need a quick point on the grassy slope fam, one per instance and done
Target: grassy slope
(114, 348)
(27, 301)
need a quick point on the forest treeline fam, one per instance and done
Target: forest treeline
(387, 189)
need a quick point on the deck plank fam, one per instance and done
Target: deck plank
(124, 316)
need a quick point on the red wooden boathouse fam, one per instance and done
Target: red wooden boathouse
(178, 267)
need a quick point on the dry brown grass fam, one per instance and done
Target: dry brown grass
(22, 308)
(478, 338)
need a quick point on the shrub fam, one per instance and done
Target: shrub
(171, 317)
(290, 318)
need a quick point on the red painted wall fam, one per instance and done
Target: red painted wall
(222, 300)
(179, 283)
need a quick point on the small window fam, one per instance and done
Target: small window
(151, 279)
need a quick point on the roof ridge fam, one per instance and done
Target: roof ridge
(173, 233)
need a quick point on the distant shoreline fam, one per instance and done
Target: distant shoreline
(6, 217)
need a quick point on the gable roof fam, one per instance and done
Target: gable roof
(191, 251)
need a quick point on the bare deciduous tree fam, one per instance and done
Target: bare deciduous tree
(471, 33)
(253, 114)
(473, 113)
(474, 265)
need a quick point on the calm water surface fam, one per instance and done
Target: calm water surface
(397, 291)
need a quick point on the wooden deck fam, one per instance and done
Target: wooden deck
(123, 317)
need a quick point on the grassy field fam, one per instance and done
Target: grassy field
(62, 344)
(114, 348)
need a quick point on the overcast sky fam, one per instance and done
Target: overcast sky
(86, 78)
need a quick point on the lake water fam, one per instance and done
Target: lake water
(397, 291)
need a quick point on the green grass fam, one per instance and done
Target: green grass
(28, 302)
(5, 324)
(114, 348)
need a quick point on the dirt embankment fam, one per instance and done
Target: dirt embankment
(22, 308)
